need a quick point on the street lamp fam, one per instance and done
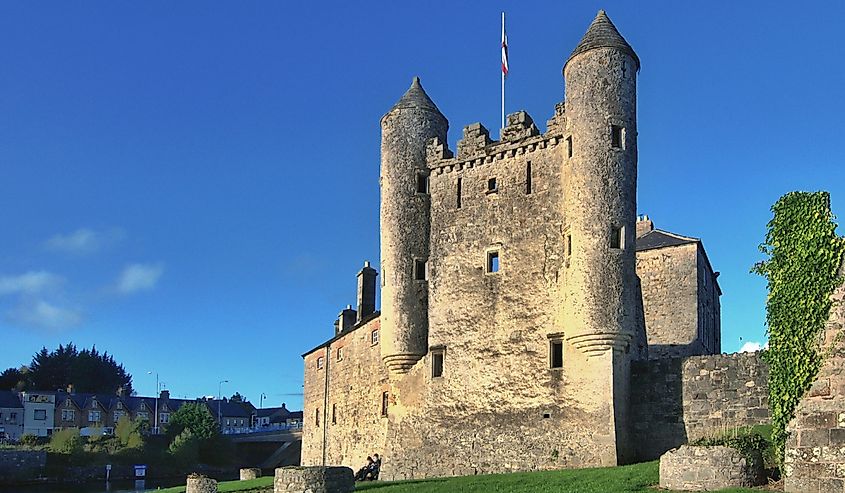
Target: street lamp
(261, 401)
(219, 398)
(155, 423)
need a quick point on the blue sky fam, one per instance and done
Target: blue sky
(192, 186)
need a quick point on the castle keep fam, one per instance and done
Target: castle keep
(526, 311)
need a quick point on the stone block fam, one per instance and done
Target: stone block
(250, 473)
(314, 479)
(200, 484)
(691, 468)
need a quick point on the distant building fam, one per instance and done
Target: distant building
(38, 411)
(11, 416)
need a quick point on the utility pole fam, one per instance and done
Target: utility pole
(158, 390)
(219, 399)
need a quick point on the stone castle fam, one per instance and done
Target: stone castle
(529, 318)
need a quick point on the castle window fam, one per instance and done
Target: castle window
(617, 137)
(437, 363)
(339, 353)
(617, 237)
(458, 198)
(320, 363)
(384, 402)
(528, 179)
(420, 270)
(569, 146)
(317, 416)
(556, 353)
(492, 262)
(422, 183)
(568, 244)
(374, 337)
(491, 185)
(334, 414)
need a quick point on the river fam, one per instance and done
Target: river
(99, 487)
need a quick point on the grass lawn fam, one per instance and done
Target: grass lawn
(626, 479)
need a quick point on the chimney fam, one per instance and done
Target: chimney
(336, 327)
(70, 389)
(346, 319)
(366, 291)
(121, 391)
(644, 225)
(165, 395)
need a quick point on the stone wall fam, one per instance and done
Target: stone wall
(313, 480)
(709, 469)
(18, 465)
(815, 450)
(682, 399)
(350, 425)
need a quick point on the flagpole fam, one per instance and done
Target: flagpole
(503, 75)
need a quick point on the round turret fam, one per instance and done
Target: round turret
(405, 225)
(600, 194)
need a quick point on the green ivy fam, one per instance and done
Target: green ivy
(804, 258)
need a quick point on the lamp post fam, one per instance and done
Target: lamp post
(219, 398)
(261, 401)
(155, 423)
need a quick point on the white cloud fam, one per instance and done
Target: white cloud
(752, 346)
(139, 277)
(29, 282)
(40, 314)
(83, 241)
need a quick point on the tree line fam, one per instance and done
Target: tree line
(86, 370)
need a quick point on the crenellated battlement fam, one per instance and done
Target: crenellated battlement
(476, 148)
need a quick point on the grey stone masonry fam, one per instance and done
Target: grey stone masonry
(250, 473)
(814, 460)
(679, 400)
(690, 468)
(21, 464)
(316, 479)
(200, 484)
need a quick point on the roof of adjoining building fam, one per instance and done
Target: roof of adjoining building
(657, 238)
(358, 325)
(603, 34)
(10, 399)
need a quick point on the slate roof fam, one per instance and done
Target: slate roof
(416, 98)
(9, 399)
(603, 34)
(227, 409)
(657, 238)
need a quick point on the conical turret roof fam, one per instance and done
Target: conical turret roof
(415, 98)
(603, 34)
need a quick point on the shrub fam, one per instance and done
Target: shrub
(747, 441)
(129, 432)
(29, 440)
(185, 448)
(66, 441)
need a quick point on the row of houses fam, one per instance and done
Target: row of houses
(40, 413)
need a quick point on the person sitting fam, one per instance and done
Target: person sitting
(376, 467)
(362, 473)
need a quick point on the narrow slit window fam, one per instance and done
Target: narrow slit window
(339, 353)
(422, 183)
(492, 262)
(320, 363)
(317, 416)
(556, 354)
(384, 402)
(568, 246)
(437, 364)
(458, 198)
(420, 270)
(617, 137)
(617, 237)
(528, 183)
(334, 414)
(491, 185)
(569, 146)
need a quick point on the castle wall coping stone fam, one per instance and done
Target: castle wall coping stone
(709, 468)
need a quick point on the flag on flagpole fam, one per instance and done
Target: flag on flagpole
(504, 48)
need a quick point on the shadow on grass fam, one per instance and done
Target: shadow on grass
(374, 485)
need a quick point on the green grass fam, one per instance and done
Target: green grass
(637, 478)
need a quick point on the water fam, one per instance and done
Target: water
(98, 487)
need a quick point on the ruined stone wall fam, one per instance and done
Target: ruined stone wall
(355, 386)
(678, 400)
(669, 278)
(815, 450)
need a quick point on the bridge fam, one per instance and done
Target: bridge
(270, 449)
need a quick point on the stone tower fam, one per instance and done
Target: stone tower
(405, 225)
(600, 186)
